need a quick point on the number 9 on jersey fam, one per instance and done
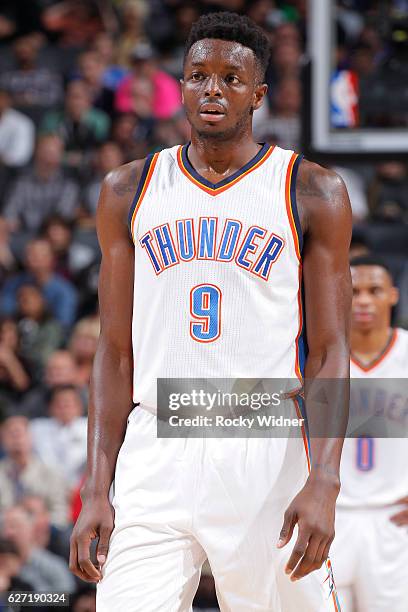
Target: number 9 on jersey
(205, 308)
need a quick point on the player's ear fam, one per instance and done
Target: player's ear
(182, 90)
(394, 295)
(259, 94)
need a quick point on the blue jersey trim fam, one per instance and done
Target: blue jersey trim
(294, 203)
(139, 188)
(184, 156)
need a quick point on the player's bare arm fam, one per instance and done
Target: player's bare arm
(401, 518)
(325, 216)
(111, 381)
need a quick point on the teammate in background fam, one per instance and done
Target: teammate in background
(211, 288)
(370, 551)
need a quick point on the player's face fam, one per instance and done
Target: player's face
(221, 88)
(373, 297)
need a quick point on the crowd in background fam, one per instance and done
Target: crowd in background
(86, 85)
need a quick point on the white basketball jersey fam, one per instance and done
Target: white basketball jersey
(217, 272)
(374, 471)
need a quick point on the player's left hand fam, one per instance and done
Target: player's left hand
(313, 511)
(401, 518)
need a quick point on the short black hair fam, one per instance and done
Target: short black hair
(236, 28)
(371, 260)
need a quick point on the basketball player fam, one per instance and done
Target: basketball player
(370, 551)
(209, 284)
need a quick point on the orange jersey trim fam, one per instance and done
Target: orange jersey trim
(289, 206)
(143, 191)
(292, 224)
(304, 434)
(380, 358)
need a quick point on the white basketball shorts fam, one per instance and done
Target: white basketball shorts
(179, 501)
(370, 555)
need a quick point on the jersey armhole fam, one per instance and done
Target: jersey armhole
(291, 203)
(145, 177)
(294, 202)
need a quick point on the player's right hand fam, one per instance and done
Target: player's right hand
(96, 520)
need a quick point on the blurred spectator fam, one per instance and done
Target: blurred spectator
(43, 190)
(148, 91)
(133, 13)
(372, 38)
(286, 55)
(41, 519)
(84, 600)
(130, 136)
(80, 126)
(60, 439)
(170, 132)
(286, 59)
(22, 472)
(283, 126)
(71, 256)
(60, 295)
(16, 134)
(45, 534)
(75, 21)
(261, 11)
(92, 70)
(7, 24)
(82, 346)
(44, 570)
(185, 15)
(14, 378)
(61, 369)
(40, 333)
(21, 17)
(362, 60)
(10, 565)
(172, 32)
(104, 47)
(7, 259)
(109, 156)
(287, 33)
(34, 88)
(389, 192)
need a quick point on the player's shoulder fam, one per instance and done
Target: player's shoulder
(117, 193)
(321, 196)
(124, 179)
(317, 181)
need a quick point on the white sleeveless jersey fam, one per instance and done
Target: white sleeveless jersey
(217, 272)
(374, 471)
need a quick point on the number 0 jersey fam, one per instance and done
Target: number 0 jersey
(374, 471)
(217, 272)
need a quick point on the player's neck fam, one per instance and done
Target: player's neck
(221, 156)
(367, 344)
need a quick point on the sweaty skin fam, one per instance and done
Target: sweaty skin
(222, 87)
(325, 216)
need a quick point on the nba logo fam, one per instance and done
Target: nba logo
(344, 99)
